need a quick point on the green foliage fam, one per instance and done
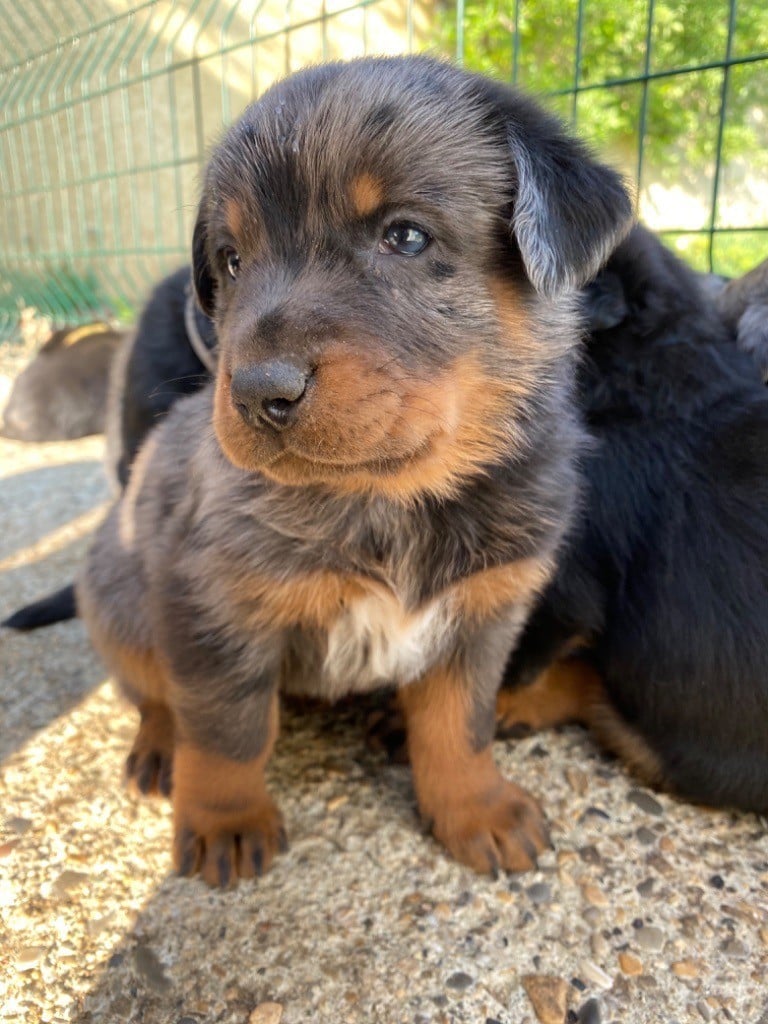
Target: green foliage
(665, 133)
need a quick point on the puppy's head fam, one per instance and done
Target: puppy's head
(387, 247)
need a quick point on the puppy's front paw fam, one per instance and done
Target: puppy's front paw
(502, 828)
(226, 824)
(227, 845)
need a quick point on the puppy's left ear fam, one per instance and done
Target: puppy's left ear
(569, 210)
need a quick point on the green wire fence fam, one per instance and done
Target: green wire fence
(107, 110)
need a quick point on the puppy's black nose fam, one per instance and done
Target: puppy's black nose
(269, 392)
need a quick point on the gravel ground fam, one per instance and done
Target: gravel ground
(648, 911)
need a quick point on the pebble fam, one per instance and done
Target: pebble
(645, 888)
(596, 975)
(577, 780)
(630, 965)
(594, 812)
(658, 863)
(646, 836)
(149, 968)
(743, 910)
(539, 892)
(459, 981)
(18, 825)
(548, 996)
(594, 895)
(599, 945)
(644, 801)
(735, 948)
(69, 880)
(29, 957)
(589, 1013)
(650, 938)
(590, 855)
(266, 1013)
(685, 969)
(763, 933)
(704, 1010)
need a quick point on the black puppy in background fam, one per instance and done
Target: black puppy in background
(171, 354)
(655, 629)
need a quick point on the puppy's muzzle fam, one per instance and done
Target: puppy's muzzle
(270, 393)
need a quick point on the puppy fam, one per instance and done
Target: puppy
(62, 393)
(662, 590)
(743, 304)
(375, 489)
(172, 354)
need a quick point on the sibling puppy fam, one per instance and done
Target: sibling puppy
(743, 304)
(172, 354)
(62, 393)
(375, 488)
(664, 581)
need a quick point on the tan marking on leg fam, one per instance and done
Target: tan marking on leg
(572, 691)
(366, 193)
(137, 670)
(226, 824)
(564, 693)
(484, 820)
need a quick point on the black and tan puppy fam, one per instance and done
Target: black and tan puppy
(664, 579)
(376, 486)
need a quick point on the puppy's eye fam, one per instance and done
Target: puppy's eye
(405, 239)
(233, 263)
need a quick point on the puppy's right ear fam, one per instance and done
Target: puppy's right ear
(202, 275)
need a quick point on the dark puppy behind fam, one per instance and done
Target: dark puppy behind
(62, 393)
(743, 304)
(665, 576)
(375, 489)
(172, 354)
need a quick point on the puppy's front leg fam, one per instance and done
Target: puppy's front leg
(484, 820)
(226, 824)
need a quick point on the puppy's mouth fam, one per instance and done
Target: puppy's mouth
(361, 429)
(319, 450)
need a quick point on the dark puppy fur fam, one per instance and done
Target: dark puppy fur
(62, 393)
(743, 304)
(172, 353)
(665, 575)
(375, 489)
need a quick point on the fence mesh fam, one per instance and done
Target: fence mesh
(107, 111)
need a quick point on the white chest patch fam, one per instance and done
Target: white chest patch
(375, 641)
